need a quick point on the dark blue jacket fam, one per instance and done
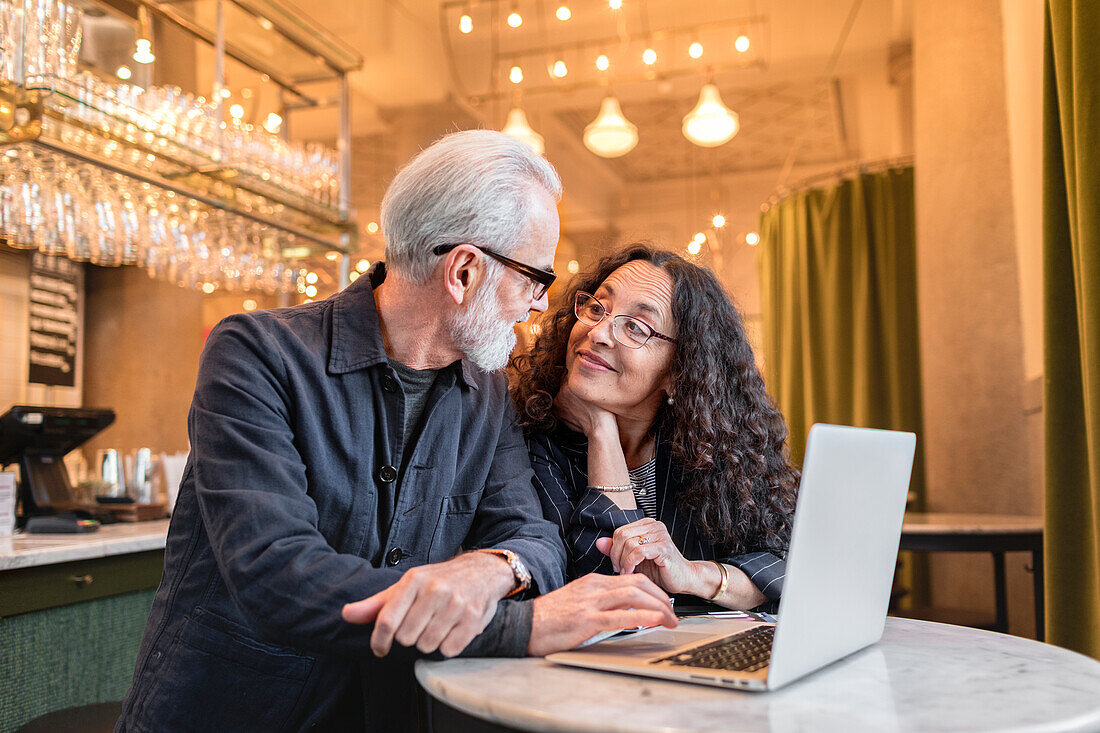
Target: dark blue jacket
(296, 430)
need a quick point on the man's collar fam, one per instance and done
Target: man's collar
(357, 330)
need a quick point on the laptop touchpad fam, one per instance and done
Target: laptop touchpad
(658, 641)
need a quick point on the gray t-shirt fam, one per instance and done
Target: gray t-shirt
(415, 384)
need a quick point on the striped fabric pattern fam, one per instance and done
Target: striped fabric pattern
(644, 480)
(560, 463)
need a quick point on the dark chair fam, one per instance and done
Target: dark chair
(96, 718)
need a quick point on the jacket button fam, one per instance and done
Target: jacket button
(394, 556)
(387, 474)
(389, 383)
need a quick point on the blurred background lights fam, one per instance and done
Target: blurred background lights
(372, 227)
(311, 277)
(249, 305)
(718, 221)
(236, 111)
(602, 62)
(465, 23)
(742, 43)
(564, 13)
(695, 50)
(614, 4)
(311, 290)
(362, 265)
(649, 56)
(752, 239)
(515, 75)
(694, 247)
(515, 20)
(559, 69)
(574, 267)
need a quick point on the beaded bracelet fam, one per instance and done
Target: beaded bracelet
(628, 487)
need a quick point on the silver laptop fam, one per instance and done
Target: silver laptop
(840, 567)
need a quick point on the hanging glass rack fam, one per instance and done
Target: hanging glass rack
(118, 174)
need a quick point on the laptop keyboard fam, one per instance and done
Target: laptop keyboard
(744, 652)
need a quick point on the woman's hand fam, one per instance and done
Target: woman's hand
(646, 547)
(583, 416)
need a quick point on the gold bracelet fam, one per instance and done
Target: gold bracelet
(725, 581)
(628, 487)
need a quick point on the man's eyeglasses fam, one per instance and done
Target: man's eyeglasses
(627, 330)
(542, 279)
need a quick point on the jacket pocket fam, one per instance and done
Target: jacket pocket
(456, 516)
(216, 677)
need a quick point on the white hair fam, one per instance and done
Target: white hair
(473, 187)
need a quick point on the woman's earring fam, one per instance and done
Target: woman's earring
(669, 400)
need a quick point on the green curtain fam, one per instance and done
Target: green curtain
(1071, 328)
(839, 299)
(839, 295)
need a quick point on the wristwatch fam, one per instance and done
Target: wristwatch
(519, 570)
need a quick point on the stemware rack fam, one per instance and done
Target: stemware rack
(293, 199)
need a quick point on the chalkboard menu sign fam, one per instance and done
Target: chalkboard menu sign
(54, 319)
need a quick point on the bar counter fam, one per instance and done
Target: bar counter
(32, 550)
(72, 611)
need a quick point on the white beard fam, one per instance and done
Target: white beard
(481, 332)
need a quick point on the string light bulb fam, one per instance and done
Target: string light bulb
(649, 56)
(515, 75)
(602, 62)
(752, 239)
(695, 50)
(614, 4)
(718, 221)
(564, 13)
(273, 123)
(515, 20)
(123, 72)
(466, 23)
(236, 111)
(694, 247)
(742, 43)
(560, 69)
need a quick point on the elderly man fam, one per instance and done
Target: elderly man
(362, 448)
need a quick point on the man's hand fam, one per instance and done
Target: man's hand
(441, 606)
(595, 603)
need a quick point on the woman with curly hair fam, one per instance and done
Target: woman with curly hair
(654, 445)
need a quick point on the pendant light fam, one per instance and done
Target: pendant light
(143, 52)
(711, 123)
(610, 134)
(517, 126)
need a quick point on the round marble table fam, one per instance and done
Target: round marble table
(921, 676)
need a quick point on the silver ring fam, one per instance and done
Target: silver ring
(643, 540)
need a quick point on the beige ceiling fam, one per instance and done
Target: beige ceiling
(797, 103)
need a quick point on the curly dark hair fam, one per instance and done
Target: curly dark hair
(723, 428)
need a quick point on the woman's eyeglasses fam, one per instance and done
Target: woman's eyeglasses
(627, 330)
(542, 279)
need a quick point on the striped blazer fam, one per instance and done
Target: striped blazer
(560, 463)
